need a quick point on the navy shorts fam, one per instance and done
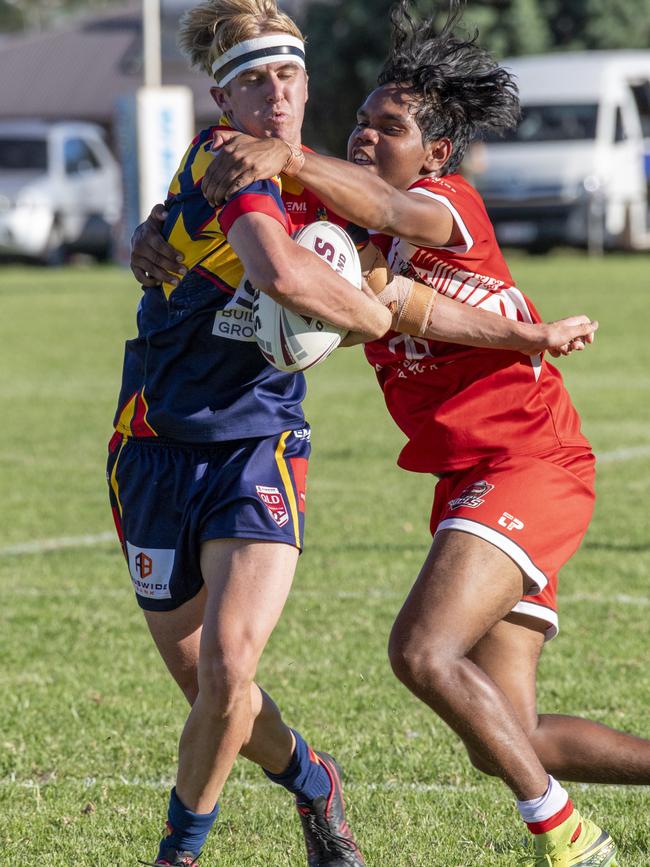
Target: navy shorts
(167, 498)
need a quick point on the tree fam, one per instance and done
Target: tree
(348, 39)
(18, 15)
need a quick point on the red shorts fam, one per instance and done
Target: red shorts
(536, 510)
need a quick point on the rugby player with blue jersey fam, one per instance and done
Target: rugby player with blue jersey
(208, 462)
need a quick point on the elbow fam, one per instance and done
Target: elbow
(275, 280)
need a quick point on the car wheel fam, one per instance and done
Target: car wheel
(55, 252)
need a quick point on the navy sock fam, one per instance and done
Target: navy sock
(304, 775)
(187, 830)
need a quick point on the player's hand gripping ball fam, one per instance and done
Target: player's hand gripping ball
(292, 342)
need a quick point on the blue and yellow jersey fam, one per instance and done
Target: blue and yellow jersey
(194, 373)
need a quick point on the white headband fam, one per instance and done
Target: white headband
(258, 52)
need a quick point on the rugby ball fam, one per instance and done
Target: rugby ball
(292, 342)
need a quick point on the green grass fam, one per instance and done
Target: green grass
(89, 720)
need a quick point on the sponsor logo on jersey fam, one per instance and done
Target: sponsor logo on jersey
(296, 207)
(472, 496)
(236, 321)
(510, 522)
(151, 570)
(274, 502)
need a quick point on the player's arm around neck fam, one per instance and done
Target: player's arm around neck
(351, 191)
(300, 281)
(365, 199)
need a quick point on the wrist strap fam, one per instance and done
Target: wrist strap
(295, 160)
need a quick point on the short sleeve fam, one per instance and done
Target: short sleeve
(260, 197)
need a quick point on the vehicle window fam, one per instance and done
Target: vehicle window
(619, 133)
(23, 154)
(78, 157)
(547, 123)
(641, 93)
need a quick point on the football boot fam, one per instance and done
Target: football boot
(577, 842)
(328, 838)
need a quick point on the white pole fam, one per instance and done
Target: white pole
(151, 28)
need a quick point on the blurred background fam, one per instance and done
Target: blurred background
(90, 87)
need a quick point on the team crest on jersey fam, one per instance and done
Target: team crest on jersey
(321, 214)
(472, 495)
(274, 502)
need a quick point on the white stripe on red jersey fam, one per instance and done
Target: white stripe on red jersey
(457, 404)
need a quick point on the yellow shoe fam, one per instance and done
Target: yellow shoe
(591, 848)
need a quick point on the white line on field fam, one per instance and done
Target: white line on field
(41, 546)
(165, 783)
(620, 455)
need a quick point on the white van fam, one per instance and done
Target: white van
(60, 190)
(577, 169)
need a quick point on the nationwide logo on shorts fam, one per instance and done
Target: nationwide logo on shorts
(274, 502)
(143, 564)
(151, 570)
(472, 495)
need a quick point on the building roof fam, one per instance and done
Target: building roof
(79, 72)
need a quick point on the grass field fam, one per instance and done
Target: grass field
(89, 720)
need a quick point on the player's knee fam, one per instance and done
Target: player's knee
(225, 680)
(416, 661)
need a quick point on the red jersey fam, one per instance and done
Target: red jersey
(459, 405)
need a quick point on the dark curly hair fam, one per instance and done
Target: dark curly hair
(461, 93)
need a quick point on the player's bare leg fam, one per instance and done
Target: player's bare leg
(212, 652)
(569, 747)
(269, 741)
(247, 586)
(465, 586)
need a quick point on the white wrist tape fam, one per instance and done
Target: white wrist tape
(410, 303)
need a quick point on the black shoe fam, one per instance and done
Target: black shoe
(328, 838)
(174, 858)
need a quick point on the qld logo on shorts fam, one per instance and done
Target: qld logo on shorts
(472, 495)
(274, 502)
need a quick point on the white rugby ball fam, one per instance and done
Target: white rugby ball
(292, 342)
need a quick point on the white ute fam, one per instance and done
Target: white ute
(577, 169)
(60, 190)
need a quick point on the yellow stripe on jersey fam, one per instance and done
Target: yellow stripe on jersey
(114, 485)
(146, 411)
(290, 185)
(123, 424)
(288, 484)
(212, 252)
(201, 162)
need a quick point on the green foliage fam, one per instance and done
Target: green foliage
(40, 14)
(349, 40)
(89, 717)
(617, 24)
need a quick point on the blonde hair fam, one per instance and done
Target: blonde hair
(214, 26)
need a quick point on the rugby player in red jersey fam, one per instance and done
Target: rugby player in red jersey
(467, 642)
(207, 466)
